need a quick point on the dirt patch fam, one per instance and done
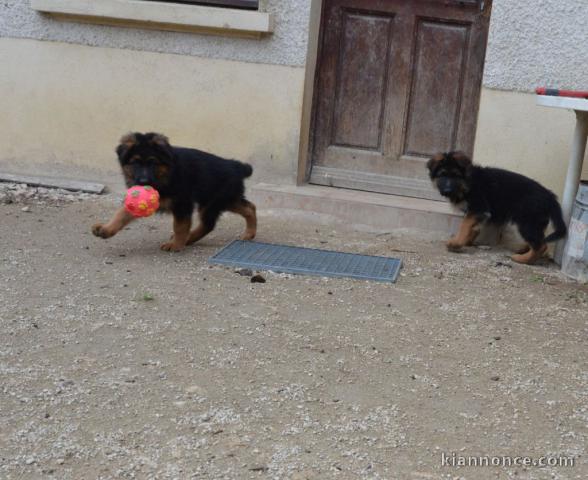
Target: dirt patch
(118, 360)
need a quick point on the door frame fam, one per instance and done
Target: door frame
(305, 147)
(310, 79)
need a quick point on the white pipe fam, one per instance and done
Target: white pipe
(573, 175)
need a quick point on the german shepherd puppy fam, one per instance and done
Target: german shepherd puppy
(497, 196)
(184, 178)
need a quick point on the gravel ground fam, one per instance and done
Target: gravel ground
(118, 360)
(22, 194)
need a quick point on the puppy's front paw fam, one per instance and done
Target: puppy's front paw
(453, 245)
(99, 230)
(248, 235)
(522, 249)
(171, 247)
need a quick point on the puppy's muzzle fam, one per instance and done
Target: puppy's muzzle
(143, 176)
(447, 186)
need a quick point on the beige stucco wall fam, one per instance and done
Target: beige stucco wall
(67, 103)
(70, 103)
(517, 134)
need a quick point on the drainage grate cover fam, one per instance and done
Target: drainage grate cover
(307, 261)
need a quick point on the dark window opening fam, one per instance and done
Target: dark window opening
(245, 4)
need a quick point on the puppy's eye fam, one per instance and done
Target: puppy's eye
(442, 173)
(153, 159)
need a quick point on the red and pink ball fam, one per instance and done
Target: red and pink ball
(142, 201)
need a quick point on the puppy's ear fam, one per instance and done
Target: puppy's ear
(127, 142)
(161, 141)
(434, 161)
(462, 159)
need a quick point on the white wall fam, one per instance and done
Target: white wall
(531, 43)
(286, 46)
(537, 43)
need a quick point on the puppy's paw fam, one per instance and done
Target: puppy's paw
(171, 247)
(524, 258)
(248, 235)
(99, 230)
(522, 249)
(531, 256)
(454, 246)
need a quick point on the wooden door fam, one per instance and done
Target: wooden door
(397, 81)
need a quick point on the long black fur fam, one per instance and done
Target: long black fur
(184, 177)
(498, 196)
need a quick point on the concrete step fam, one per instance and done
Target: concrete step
(375, 210)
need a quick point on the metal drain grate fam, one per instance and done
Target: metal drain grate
(307, 261)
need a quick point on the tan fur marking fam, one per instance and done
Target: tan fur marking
(128, 173)
(162, 173)
(128, 140)
(523, 249)
(531, 256)
(180, 237)
(433, 161)
(200, 231)
(120, 220)
(248, 211)
(466, 235)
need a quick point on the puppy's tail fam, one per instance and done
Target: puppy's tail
(246, 170)
(560, 229)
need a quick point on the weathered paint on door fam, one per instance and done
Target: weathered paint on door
(397, 81)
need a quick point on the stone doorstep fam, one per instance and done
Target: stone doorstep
(374, 210)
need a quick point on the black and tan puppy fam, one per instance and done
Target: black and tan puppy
(185, 178)
(497, 196)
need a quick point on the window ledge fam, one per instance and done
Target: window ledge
(160, 16)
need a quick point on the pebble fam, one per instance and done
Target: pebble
(502, 264)
(195, 389)
(244, 272)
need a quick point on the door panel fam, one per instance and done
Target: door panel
(435, 97)
(361, 81)
(397, 80)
